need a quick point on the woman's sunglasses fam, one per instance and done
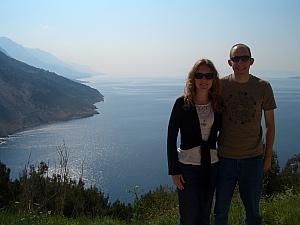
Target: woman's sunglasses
(207, 76)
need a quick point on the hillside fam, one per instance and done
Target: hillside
(30, 96)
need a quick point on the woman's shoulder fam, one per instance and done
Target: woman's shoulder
(179, 103)
(180, 100)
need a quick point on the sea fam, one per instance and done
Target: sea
(122, 150)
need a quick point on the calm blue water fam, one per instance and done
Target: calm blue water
(125, 145)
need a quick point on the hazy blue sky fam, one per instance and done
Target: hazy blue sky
(158, 37)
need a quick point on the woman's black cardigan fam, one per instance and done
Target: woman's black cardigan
(186, 120)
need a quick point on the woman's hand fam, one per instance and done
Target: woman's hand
(178, 181)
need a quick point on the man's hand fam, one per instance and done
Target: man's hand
(178, 181)
(267, 164)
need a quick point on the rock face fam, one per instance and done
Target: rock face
(30, 96)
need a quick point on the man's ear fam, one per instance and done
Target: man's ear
(229, 62)
(251, 61)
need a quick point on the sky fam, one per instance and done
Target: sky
(158, 37)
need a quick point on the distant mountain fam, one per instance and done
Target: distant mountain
(42, 59)
(30, 96)
(2, 50)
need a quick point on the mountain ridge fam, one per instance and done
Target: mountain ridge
(42, 59)
(31, 96)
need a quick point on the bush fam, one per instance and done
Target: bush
(35, 192)
(155, 204)
(5, 184)
(272, 181)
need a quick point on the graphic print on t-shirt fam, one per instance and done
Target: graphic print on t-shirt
(240, 107)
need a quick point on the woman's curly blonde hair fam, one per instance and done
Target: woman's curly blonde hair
(190, 89)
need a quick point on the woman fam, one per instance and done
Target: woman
(193, 166)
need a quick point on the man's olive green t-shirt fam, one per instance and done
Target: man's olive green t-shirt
(242, 106)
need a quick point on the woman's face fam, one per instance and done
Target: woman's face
(202, 78)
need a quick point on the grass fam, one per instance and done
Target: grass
(12, 219)
(281, 209)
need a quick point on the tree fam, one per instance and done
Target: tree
(290, 174)
(5, 184)
(272, 180)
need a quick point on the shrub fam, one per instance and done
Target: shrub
(5, 184)
(156, 203)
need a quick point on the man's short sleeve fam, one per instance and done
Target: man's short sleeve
(268, 100)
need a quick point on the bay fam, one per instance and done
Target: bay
(123, 148)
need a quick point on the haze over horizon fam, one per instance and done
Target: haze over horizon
(157, 38)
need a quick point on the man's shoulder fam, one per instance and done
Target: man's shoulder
(259, 81)
(224, 81)
(253, 77)
(226, 78)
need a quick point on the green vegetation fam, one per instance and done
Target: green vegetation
(283, 208)
(39, 199)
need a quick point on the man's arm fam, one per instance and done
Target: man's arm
(270, 135)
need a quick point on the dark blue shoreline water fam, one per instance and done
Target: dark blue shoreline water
(125, 145)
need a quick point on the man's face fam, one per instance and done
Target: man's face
(240, 60)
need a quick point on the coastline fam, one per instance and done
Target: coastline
(75, 116)
(3, 140)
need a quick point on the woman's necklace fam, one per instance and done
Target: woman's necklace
(204, 113)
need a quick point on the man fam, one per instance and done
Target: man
(243, 159)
